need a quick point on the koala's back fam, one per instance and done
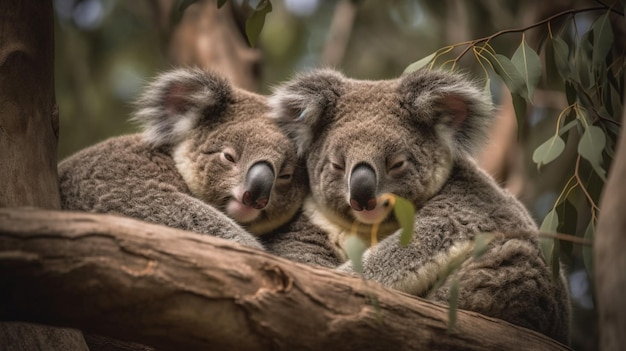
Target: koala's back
(111, 177)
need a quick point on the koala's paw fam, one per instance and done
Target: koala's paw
(249, 241)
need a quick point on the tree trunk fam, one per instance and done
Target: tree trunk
(610, 261)
(179, 290)
(29, 122)
(29, 128)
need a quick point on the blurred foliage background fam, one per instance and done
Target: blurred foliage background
(107, 49)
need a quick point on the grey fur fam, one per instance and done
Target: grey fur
(417, 133)
(176, 172)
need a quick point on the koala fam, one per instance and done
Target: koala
(208, 159)
(415, 137)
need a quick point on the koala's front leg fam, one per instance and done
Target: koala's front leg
(174, 209)
(416, 267)
(302, 241)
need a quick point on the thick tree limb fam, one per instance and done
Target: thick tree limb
(183, 291)
(610, 261)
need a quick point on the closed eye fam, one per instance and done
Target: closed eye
(337, 167)
(397, 165)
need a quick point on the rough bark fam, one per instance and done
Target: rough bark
(610, 261)
(178, 290)
(28, 113)
(29, 128)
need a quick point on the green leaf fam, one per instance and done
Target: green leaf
(355, 247)
(509, 74)
(549, 225)
(221, 3)
(404, 210)
(454, 302)
(567, 127)
(570, 93)
(602, 40)
(481, 244)
(590, 147)
(420, 63)
(255, 22)
(561, 58)
(588, 250)
(519, 106)
(582, 64)
(548, 151)
(528, 64)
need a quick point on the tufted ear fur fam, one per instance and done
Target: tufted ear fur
(460, 112)
(176, 101)
(301, 106)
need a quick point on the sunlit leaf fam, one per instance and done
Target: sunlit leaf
(588, 250)
(602, 40)
(509, 74)
(549, 225)
(548, 151)
(404, 210)
(561, 57)
(528, 64)
(420, 63)
(567, 127)
(355, 247)
(255, 22)
(590, 147)
(454, 302)
(481, 244)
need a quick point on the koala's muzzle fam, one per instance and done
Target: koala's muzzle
(258, 185)
(363, 188)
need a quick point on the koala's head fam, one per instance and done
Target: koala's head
(363, 138)
(225, 146)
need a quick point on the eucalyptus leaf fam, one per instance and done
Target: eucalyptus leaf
(561, 57)
(481, 244)
(549, 225)
(355, 247)
(254, 24)
(582, 62)
(528, 64)
(519, 106)
(420, 63)
(588, 250)
(570, 93)
(548, 151)
(567, 127)
(590, 147)
(487, 88)
(221, 3)
(404, 210)
(509, 74)
(602, 40)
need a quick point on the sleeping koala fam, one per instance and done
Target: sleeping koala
(414, 137)
(207, 149)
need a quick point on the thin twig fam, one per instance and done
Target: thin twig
(566, 237)
(523, 29)
(594, 207)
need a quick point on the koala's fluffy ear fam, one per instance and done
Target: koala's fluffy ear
(175, 101)
(301, 106)
(452, 104)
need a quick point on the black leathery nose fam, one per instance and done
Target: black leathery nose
(258, 185)
(363, 188)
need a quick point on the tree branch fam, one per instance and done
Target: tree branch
(183, 291)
